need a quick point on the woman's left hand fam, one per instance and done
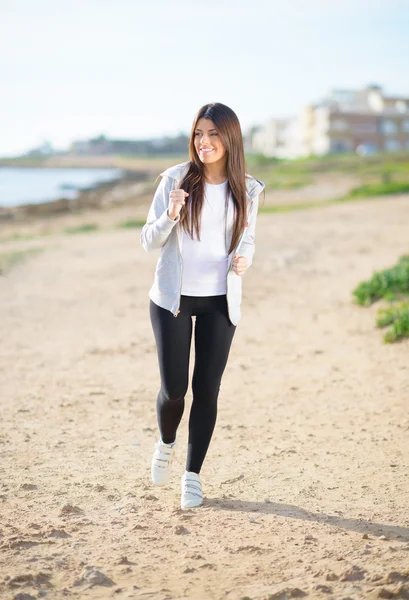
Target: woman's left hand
(240, 264)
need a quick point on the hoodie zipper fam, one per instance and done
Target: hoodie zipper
(244, 232)
(181, 263)
(181, 272)
(238, 246)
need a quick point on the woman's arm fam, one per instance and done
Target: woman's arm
(158, 224)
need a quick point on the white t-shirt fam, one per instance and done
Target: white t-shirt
(205, 262)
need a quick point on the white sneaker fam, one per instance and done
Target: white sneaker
(162, 462)
(192, 494)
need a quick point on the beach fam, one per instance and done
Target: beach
(306, 481)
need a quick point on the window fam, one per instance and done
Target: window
(392, 145)
(340, 146)
(339, 125)
(388, 127)
(367, 149)
(401, 106)
(363, 128)
(405, 125)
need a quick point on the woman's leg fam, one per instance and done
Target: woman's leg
(173, 338)
(213, 337)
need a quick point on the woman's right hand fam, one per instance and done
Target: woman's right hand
(176, 201)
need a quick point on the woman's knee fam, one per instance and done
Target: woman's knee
(172, 396)
(206, 391)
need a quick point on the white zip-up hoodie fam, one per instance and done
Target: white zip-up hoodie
(161, 232)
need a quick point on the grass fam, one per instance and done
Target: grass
(278, 208)
(380, 189)
(391, 285)
(281, 208)
(19, 237)
(10, 259)
(86, 228)
(131, 224)
(387, 284)
(22, 161)
(369, 169)
(397, 317)
(280, 181)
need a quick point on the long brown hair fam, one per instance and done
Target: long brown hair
(228, 127)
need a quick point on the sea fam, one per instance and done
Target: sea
(25, 185)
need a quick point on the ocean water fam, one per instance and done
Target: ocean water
(19, 185)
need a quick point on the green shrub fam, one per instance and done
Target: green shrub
(387, 284)
(398, 317)
(81, 228)
(390, 284)
(260, 160)
(380, 189)
(131, 224)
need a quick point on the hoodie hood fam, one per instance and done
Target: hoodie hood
(254, 186)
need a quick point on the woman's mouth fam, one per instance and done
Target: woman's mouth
(206, 150)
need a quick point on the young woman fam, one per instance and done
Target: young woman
(203, 219)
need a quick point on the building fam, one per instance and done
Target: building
(271, 139)
(364, 121)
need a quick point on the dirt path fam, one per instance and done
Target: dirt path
(308, 466)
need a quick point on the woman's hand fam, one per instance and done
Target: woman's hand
(176, 201)
(240, 264)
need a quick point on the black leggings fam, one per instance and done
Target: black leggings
(213, 337)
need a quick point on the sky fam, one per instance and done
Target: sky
(135, 69)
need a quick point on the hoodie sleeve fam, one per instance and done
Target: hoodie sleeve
(247, 246)
(158, 226)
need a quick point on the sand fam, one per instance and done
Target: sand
(306, 481)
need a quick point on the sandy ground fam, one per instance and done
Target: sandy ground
(306, 480)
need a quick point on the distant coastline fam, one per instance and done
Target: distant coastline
(27, 192)
(137, 178)
(58, 162)
(111, 161)
(36, 185)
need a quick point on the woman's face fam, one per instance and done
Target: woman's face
(207, 142)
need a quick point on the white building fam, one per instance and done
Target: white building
(345, 121)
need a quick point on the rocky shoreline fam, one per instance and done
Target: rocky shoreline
(129, 186)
